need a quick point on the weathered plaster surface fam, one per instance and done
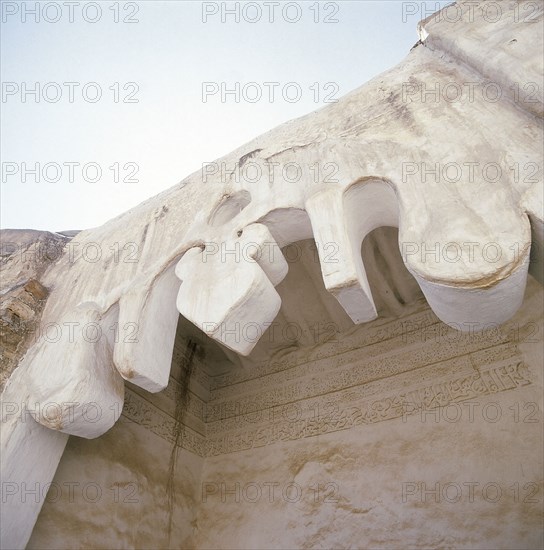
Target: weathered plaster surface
(112, 492)
(340, 463)
(167, 252)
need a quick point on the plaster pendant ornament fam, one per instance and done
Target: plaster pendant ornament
(238, 292)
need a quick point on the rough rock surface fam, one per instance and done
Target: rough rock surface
(24, 256)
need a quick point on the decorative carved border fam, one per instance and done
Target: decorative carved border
(335, 389)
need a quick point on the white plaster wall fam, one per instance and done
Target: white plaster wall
(370, 477)
(363, 471)
(130, 465)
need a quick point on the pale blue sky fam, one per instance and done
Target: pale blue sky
(169, 132)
